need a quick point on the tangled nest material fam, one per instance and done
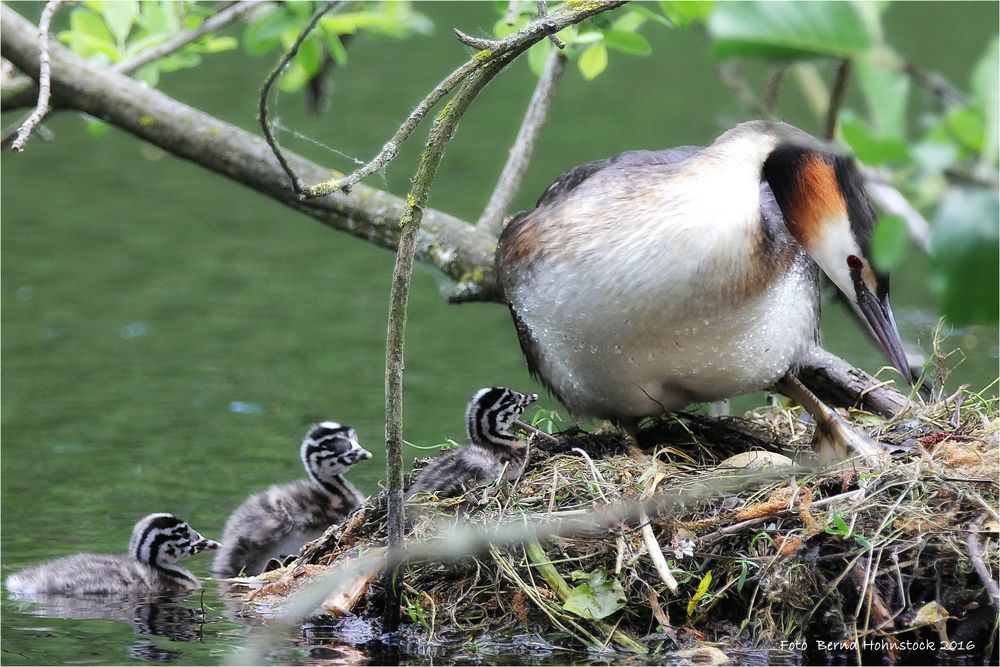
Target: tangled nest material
(905, 553)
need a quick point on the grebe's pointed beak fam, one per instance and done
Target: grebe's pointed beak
(878, 314)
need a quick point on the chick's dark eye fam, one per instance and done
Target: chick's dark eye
(854, 263)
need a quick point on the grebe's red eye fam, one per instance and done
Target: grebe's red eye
(854, 263)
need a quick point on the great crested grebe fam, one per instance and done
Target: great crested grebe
(493, 452)
(158, 542)
(645, 282)
(277, 522)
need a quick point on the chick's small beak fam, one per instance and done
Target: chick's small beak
(204, 544)
(878, 314)
(360, 453)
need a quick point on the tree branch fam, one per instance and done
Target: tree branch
(441, 134)
(838, 92)
(836, 382)
(44, 76)
(455, 247)
(524, 145)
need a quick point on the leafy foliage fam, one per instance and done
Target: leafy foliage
(598, 597)
(278, 28)
(115, 32)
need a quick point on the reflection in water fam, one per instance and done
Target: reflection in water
(157, 617)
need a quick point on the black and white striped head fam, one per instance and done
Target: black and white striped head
(491, 413)
(163, 539)
(329, 449)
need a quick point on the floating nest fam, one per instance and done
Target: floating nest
(894, 564)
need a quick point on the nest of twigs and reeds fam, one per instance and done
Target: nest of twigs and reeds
(889, 562)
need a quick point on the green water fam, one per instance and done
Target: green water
(168, 336)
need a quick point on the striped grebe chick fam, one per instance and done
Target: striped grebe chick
(492, 453)
(277, 522)
(158, 542)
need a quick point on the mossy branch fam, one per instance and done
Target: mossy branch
(441, 134)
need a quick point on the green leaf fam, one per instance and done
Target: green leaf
(684, 12)
(869, 148)
(96, 127)
(137, 46)
(648, 13)
(886, 92)
(702, 590)
(627, 42)
(839, 526)
(294, 78)
(119, 17)
(149, 73)
(538, 55)
(890, 241)
(630, 21)
(986, 97)
(310, 55)
(787, 30)
(88, 23)
(593, 61)
(180, 60)
(264, 34)
(88, 46)
(154, 19)
(336, 47)
(967, 126)
(598, 598)
(382, 23)
(219, 44)
(965, 256)
(587, 37)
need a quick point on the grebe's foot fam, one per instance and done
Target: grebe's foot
(835, 439)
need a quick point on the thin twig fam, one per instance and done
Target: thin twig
(511, 17)
(935, 83)
(440, 135)
(517, 42)
(733, 79)
(543, 12)
(656, 555)
(524, 145)
(976, 556)
(838, 92)
(773, 90)
(478, 43)
(265, 90)
(44, 78)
